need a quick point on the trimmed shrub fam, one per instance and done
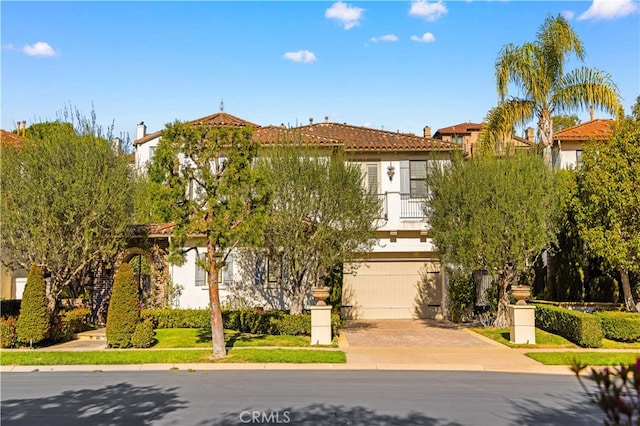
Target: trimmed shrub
(33, 322)
(10, 307)
(251, 321)
(293, 325)
(578, 327)
(178, 318)
(67, 323)
(124, 309)
(462, 295)
(8, 336)
(620, 326)
(143, 335)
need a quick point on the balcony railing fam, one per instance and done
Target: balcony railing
(411, 208)
(384, 206)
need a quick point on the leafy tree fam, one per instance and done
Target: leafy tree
(66, 203)
(536, 70)
(124, 308)
(320, 216)
(214, 193)
(33, 321)
(608, 201)
(491, 213)
(564, 121)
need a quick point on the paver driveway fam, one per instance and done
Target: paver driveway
(409, 333)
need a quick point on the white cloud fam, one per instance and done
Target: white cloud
(609, 9)
(347, 16)
(568, 14)
(426, 38)
(40, 48)
(303, 56)
(428, 11)
(386, 37)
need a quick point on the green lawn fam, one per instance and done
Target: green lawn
(588, 358)
(150, 356)
(544, 339)
(201, 338)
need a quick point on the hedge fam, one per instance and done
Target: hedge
(243, 320)
(580, 328)
(620, 326)
(124, 308)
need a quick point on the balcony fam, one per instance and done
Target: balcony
(411, 208)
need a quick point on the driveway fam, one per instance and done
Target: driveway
(410, 333)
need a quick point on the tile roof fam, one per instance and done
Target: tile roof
(356, 138)
(599, 129)
(217, 119)
(9, 138)
(460, 129)
(272, 135)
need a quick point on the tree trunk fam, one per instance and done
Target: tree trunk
(502, 317)
(297, 301)
(550, 289)
(217, 327)
(629, 303)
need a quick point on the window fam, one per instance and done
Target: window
(274, 268)
(578, 159)
(418, 179)
(456, 138)
(372, 178)
(152, 151)
(201, 274)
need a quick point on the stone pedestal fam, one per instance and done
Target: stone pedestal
(320, 325)
(523, 324)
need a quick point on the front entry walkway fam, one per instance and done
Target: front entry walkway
(429, 345)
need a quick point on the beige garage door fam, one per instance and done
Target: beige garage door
(393, 289)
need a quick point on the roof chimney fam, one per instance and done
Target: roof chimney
(24, 128)
(326, 118)
(426, 132)
(310, 120)
(531, 137)
(142, 130)
(591, 112)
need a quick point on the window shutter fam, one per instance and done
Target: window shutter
(259, 271)
(372, 178)
(227, 277)
(404, 177)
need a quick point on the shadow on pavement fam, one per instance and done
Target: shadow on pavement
(325, 415)
(111, 405)
(573, 413)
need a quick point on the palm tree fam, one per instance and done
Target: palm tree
(537, 71)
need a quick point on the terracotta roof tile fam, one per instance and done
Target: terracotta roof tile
(356, 138)
(272, 135)
(147, 138)
(459, 129)
(9, 138)
(599, 129)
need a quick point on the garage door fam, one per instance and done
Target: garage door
(393, 289)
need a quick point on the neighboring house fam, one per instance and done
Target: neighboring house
(569, 142)
(467, 134)
(401, 278)
(12, 281)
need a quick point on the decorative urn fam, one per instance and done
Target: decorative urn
(320, 294)
(521, 293)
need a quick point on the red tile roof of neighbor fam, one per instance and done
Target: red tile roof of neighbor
(599, 129)
(459, 129)
(9, 138)
(353, 138)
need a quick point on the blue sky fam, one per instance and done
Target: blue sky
(392, 65)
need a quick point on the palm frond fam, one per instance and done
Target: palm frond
(518, 65)
(557, 40)
(500, 122)
(585, 87)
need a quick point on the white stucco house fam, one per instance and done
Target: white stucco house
(401, 278)
(569, 142)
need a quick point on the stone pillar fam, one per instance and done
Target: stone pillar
(321, 325)
(523, 324)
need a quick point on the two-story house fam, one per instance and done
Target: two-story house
(568, 143)
(466, 135)
(401, 278)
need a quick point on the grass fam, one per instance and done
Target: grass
(150, 356)
(201, 338)
(588, 358)
(544, 339)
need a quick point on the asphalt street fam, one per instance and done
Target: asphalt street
(217, 398)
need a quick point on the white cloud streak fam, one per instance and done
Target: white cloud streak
(609, 9)
(40, 48)
(303, 56)
(568, 14)
(425, 38)
(347, 16)
(431, 11)
(386, 37)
